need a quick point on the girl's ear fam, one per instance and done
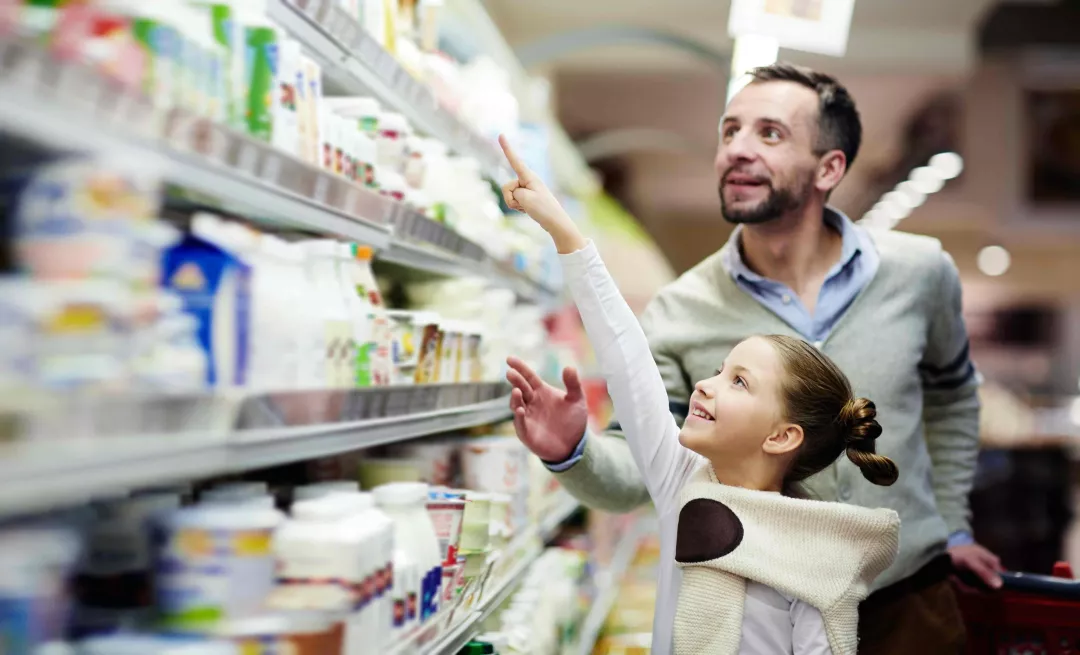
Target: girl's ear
(786, 439)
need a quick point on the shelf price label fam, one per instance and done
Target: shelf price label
(271, 169)
(248, 159)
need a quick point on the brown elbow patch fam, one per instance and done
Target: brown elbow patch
(708, 529)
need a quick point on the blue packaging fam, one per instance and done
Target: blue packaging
(216, 289)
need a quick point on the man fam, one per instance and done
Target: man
(885, 306)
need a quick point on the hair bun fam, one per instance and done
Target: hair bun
(858, 420)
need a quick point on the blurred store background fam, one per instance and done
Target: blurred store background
(252, 246)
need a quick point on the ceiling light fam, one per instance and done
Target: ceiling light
(916, 196)
(994, 260)
(901, 199)
(947, 164)
(1074, 412)
(926, 180)
(893, 211)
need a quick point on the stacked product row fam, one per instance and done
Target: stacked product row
(344, 571)
(225, 61)
(105, 296)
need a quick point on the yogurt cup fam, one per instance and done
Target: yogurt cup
(213, 563)
(447, 515)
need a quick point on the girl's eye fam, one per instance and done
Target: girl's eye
(740, 382)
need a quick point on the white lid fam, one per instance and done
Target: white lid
(278, 623)
(426, 318)
(400, 493)
(225, 517)
(477, 497)
(502, 499)
(345, 251)
(321, 489)
(273, 246)
(393, 121)
(321, 247)
(322, 510)
(136, 644)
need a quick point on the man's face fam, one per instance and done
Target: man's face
(766, 161)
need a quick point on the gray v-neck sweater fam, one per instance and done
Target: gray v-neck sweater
(902, 343)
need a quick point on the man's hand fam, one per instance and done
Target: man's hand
(979, 561)
(550, 422)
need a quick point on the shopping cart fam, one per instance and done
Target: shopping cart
(1030, 615)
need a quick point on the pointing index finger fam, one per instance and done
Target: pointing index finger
(519, 166)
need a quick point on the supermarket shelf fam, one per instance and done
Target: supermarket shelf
(59, 107)
(116, 444)
(271, 448)
(356, 64)
(43, 475)
(531, 543)
(607, 582)
(63, 107)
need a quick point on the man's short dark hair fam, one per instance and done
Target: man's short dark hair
(839, 127)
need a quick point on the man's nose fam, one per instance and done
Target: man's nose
(737, 149)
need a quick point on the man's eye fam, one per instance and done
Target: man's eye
(771, 133)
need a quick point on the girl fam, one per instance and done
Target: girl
(763, 570)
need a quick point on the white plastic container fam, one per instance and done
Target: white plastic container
(361, 317)
(149, 644)
(378, 357)
(214, 563)
(338, 344)
(308, 324)
(406, 504)
(377, 529)
(393, 131)
(275, 357)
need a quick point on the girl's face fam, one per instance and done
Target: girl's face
(734, 412)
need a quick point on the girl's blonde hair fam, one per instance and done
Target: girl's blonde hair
(818, 398)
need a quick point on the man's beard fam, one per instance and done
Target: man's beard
(775, 205)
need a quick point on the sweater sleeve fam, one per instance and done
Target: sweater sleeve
(950, 401)
(634, 383)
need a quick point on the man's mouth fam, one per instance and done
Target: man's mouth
(697, 410)
(743, 181)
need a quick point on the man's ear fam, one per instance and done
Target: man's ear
(787, 438)
(831, 170)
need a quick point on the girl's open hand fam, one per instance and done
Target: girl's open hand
(529, 194)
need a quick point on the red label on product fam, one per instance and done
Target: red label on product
(411, 605)
(399, 613)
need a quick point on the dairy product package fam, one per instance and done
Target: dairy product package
(215, 287)
(213, 564)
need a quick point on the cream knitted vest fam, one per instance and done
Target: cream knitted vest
(825, 554)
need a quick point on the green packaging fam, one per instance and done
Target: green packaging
(261, 70)
(161, 44)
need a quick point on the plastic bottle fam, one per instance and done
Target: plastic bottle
(376, 529)
(309, 335)
(378, 357)
(275, 352)
(406, 505)
(339, 348)
(361, 318)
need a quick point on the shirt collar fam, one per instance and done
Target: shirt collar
(851, 246)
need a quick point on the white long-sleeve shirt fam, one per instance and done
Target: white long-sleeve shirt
(773, 623)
